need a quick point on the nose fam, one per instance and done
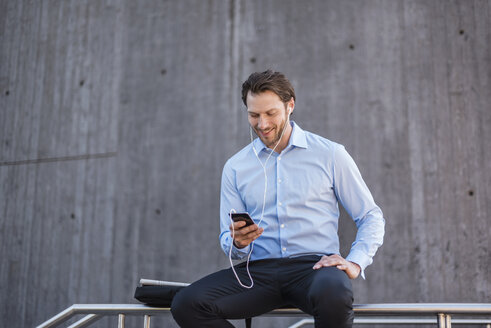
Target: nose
(262, 123)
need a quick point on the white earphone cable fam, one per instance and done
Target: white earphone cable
(262, 210)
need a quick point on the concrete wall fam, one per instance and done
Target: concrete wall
(117, 116)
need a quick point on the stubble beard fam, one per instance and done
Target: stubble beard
(277, 136)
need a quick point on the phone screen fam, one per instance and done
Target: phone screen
(242, 217)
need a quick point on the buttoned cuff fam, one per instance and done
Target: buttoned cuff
(240, 253)
(361, 259)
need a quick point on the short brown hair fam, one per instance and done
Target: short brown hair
(268, 80)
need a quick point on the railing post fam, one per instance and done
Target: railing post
(441, 321)
(146, 322)
(448, 321)
(444, 320)
(121, 321)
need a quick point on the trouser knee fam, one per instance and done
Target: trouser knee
(339, 297)
(183, 307)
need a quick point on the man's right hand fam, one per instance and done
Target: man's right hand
(243, 235)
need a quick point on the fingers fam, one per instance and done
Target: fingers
(242, 235)
(239, 228)
(251, 235)
(332, 260)
(241, 242)
(351, 269)
(241, 225)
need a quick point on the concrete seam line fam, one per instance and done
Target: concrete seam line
(60, 159)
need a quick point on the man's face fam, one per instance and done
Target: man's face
(267, 116)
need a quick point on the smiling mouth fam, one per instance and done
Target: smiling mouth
(266, 133)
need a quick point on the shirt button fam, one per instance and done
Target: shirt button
(280, 203)
(284, 249)
(279, 158)
(282, 225)
(279, 180)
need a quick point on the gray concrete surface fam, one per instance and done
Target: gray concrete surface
(117, 116)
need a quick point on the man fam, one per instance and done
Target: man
(295, 257)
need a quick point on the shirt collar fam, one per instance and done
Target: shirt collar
(297, 139)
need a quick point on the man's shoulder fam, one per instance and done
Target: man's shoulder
(334, 153)
(240, 156)
(319, 143)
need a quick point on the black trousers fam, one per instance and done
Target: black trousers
(325, 294)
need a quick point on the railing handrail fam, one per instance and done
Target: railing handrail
(412, 309)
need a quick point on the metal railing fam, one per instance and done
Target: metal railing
(403, 321)
(441, 314)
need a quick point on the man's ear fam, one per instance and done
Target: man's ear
(290, 106)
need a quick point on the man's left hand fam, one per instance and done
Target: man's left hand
(352, 269)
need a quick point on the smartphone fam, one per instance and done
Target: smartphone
(236, 217)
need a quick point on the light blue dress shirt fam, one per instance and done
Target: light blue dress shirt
(305, 182)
